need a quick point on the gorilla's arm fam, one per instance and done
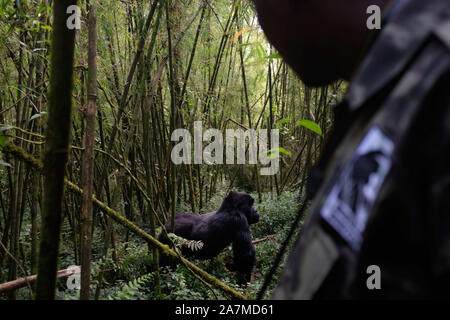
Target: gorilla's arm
(243, 253)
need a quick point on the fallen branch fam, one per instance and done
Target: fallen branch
(269, 237)
(23, 282)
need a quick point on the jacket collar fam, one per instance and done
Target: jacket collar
(408, 27)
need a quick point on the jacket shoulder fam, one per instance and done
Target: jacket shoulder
(442, 32)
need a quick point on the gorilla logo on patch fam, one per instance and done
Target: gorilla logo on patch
(351, 199)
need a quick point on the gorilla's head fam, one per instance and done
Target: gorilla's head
(242, 202)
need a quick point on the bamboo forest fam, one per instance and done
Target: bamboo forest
(118, 116)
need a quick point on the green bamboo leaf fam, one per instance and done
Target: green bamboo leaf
(310, 125)
(275, 153)
(274, 56)
(284, 151)
(286, 120)
(47, 27)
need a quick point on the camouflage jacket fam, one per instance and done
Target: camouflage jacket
(382, 201)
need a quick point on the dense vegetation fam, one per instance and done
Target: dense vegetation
(129, 277)
(141, 70)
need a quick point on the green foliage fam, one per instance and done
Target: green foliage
(275, 153)
(283, 121)
(276, 216)
(180, 285)
(132, 290)
(314, 127)
(3, 140)
(274, 56)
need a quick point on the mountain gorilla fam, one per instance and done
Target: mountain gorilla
(229, 224)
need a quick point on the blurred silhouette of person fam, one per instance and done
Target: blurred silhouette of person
(388, 206)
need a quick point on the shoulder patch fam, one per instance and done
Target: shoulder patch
(348, 205)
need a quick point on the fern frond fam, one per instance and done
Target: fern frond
(131, 290)
(194, 245)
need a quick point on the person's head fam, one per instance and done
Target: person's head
(320, 39)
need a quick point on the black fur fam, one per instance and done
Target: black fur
(229, 224)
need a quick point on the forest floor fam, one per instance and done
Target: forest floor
(128, 277)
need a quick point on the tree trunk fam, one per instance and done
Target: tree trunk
(87, 176)
(56, 148)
